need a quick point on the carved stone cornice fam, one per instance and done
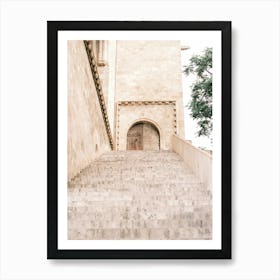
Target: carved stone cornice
(156, 102)
(98, 86)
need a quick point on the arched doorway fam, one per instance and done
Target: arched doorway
(143, 136)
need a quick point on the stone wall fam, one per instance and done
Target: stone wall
(198, 160)
(161, 114)
(87, 136)
(150, 71)
(105, 56)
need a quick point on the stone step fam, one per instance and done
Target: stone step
(146, 181)
(138, 195)
(145, 190)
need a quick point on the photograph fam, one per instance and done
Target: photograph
(128, 176)
(139, 139)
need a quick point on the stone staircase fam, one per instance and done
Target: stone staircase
(138, 195)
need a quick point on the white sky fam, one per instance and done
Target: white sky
(196, 43)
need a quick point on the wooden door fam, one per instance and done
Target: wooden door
(150, 137)
(135, 137)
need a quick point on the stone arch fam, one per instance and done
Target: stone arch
(143, 134)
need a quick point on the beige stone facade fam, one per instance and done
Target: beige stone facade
(149, 87)
(161, 114)
(87, 136)
(130, 173)
(129, 82)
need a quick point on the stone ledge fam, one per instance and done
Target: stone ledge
(98, 86)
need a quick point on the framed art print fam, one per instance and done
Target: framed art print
(139, 140)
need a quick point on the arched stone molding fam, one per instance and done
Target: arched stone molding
(162, 114)
(144, 120)
(154, 129)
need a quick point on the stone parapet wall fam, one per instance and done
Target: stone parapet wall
(198, 160)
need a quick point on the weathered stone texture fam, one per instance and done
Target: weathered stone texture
(150, 70)
(105, 55)
(87, 137)
(132, 194)
(162, 116)
(138, 195)
(198, 160)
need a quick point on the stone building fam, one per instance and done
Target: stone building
(140, 91)
(126, 96)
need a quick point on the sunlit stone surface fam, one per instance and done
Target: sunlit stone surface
(138, 195)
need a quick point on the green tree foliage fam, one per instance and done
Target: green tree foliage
(201, 97)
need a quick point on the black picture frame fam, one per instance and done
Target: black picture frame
(52, 128)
